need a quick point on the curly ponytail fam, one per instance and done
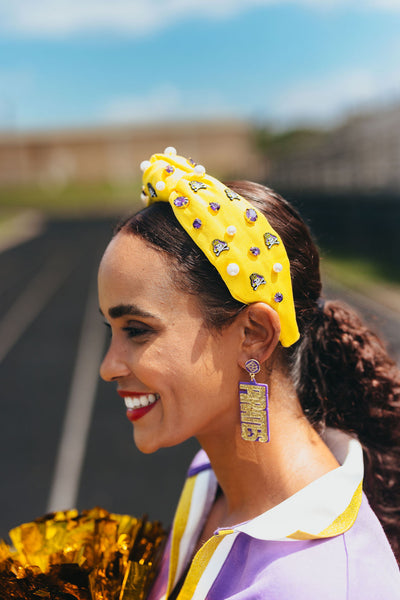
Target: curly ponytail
(345, 379)
(342, 373)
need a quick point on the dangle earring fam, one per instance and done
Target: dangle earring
(253, 397)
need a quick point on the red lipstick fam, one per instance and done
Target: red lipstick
(134, 414)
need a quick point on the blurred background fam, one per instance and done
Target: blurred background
(303, 96)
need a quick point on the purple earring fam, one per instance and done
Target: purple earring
(254, 420)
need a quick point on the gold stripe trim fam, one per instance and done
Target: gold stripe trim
(199, 565)
(341, 524)
(225, 531)
(178, 529)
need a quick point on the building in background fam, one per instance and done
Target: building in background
(113, 154)
(362, 155)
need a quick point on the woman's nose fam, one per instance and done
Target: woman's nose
(114, 364)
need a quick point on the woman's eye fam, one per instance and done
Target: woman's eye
(134, 332)
(131, 331)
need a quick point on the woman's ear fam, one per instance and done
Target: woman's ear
(260, 331)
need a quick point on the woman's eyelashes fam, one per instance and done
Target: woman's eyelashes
(136, 331)
(132, 331)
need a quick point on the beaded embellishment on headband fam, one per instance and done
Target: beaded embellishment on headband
(235, 236)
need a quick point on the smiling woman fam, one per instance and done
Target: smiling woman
(212, 294)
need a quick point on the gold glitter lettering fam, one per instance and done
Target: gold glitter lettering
(252, 433)
(253, 416)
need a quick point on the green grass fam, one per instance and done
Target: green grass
(359, 272)
(72, 199)
(7, 214)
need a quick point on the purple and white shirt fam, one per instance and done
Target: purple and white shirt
(324, 542)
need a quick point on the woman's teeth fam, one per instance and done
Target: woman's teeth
(140, 401)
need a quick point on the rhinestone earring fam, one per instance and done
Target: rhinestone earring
(253, 396)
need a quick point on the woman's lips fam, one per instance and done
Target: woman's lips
(134, 414)
(138, 404)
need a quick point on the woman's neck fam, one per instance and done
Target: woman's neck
(256, 476)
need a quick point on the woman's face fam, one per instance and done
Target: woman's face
(179, 377)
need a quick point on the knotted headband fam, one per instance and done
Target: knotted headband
(235, 237)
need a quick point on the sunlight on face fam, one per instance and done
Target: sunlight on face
(161, 350)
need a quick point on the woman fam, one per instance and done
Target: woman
(212, 294)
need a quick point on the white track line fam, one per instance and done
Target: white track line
(71, 451)
(30, 303)
(20, 229)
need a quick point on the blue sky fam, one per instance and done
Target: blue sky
(78, 63)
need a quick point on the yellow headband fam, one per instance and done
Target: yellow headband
(235, 237)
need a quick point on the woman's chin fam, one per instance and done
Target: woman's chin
(146, 445)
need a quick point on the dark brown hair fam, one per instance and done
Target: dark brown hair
(342, 373)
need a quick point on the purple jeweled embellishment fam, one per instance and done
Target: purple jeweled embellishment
(255, 251)
(191, 161)
(219, 246)
(215, 206)
(270, 240)
(181, 201)
(197, 223)
(169, 169)
(278, 297)
(251, 215)
(256, 280)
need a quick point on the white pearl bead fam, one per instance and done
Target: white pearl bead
(145, 164)
(232, 269)
(143, 198)
(160, 186)
(170, 151)
(231, 230)
(199, 170)
(277, 268)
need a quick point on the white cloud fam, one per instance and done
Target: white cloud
(66, 17)
(385, 4)
(325, 100)
(165, 103)
(330, 98)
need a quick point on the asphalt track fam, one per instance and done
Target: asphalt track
(64, 438)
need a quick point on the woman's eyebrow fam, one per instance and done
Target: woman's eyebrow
(128, 309)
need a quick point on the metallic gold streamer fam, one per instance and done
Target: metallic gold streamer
(94, 555)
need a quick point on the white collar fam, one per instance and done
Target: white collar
(326, 507)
